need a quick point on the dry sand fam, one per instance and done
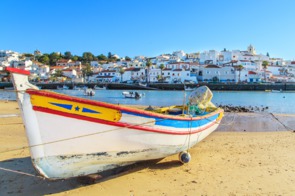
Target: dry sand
(234, 160)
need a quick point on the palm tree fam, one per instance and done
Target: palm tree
(264, 65)
(122, 71)
(162, 66)
(240, 68)
(148, 65)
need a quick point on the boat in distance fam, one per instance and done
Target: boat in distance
(132, 94)
(70, 136)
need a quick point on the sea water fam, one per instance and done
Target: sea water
(282, 102)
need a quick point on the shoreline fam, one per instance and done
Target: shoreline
(225, 163)
(168, 86)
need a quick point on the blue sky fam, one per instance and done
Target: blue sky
(148, 27)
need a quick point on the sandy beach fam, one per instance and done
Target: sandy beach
(249, 154)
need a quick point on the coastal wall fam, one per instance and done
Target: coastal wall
(166, 86)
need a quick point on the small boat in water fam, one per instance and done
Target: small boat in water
(76, 88)
(131, 94)
(89, 92)
(277, 91)
(188, 88)
(70, 136)
(64, 87)
(99, 88)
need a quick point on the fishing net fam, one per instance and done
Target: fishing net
(200, 101)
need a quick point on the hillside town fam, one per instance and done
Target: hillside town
(179, 67)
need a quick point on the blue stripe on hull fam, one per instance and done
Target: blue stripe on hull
(178, 123)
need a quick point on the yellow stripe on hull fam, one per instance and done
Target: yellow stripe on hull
(72, 107)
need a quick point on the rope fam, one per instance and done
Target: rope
(72, 138)
(21, 173)
(286, 127)
(91, 134)
(189, 135)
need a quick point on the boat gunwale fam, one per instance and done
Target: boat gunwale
(51, 94)
(128, 125)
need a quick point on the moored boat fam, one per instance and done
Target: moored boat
(64, 87)
(70, 136)
(89, 92)
(131, 94)
(99, 88)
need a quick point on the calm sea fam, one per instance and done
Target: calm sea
(283, 102)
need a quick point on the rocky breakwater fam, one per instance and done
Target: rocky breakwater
(231, 108)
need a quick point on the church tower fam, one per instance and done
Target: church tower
(251, 50)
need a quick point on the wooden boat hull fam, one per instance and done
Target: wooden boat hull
(71, 137)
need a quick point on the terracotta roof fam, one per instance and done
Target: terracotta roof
(212, 66)
(177, 69)
(108, 71)
(56, 67)
(68, 69)
(252, 72)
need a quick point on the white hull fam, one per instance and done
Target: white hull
(87, 147)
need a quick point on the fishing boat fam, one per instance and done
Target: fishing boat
(89, 92)
(188, 88)
(99, 88)
(276, 91)
(70, 136)
(131, 94)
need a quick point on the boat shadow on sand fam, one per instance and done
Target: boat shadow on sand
(18, 177)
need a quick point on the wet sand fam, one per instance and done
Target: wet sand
(250, 154)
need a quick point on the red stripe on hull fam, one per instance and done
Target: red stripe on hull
(120, 124)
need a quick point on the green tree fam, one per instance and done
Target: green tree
(58, 73)
(265, 65)
(102, 57)
(127, 58)
(54, 57)
(44, 59)
(148, 65)
(122, 71)
(31, 56)
(68, 55)
(110, 55)
(239, 68)
(75, 58)
(162, 66)
(87, 57)
(267, 54)
(87, 71)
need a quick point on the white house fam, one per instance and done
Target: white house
(180, 54)
(211, 55)
(70, 73)
(43, 72)
(216, 73)
(26, 64)
(94, 63)
(106, 76)
(248, 65)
